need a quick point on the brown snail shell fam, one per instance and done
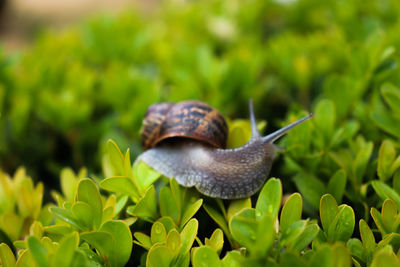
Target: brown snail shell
(189, 119)
(215, 172)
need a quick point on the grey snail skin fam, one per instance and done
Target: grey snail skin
(186, 141)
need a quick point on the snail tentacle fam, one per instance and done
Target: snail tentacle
(272, 137)
(254, 130)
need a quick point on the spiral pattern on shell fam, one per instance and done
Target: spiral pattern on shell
(190, 119)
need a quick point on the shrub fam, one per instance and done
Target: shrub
(61, 100)
(87, 228)
(75, 89)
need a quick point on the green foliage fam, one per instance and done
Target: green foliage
(337, 221)
(368, 251)
(86, 228)
(62, 99)
(20, 204)
(286, 56)
(256, 230)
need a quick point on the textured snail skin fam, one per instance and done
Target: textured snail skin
(219, 173)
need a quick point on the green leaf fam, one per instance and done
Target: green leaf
(325, 116)
(239, 133)
(205, 256)
(174, 242)
(384, 258)
(216, 240)
(121, 202)
(58, 229)
(361, 161)
(328, 211)
(122, 245)
(341, 255)
(68, 184)
(177, 194)
(344, 133)
(48, 244)
(322, 257)
(344, 159)
(39, 253)
(131, 220)
(387, 123)
(158, 233)
(269, 200)
(391, 94)
(101, 240)
(379, 222)
(256, 234)
(387, 53)
(342, 226)
(188, 235)
(335, 255)
(116, 157)
(389, 214)
(146, 208)
(387, 154)
(392, 239)
(190, 211)
(291, 211)
(12, 224)
(108, 214)
(384, 191)
(298, 139)
(143, 240)
(36, 229)
(345, 97)
(290, 259)
(45, 216)
(80, 259)
(168, 223)
(144, 176)
(93, 257)
(127, 164)
(122, 185)
(183, 260)
(356, 249)
(30, 199)
(396, 182)
(89, 193)
(232, 259)
(243, 227)
(83, 213)
(337, 185)
(7, 258)
(25, 259)
(265, 235)
(67, 216)
(236, 206)
(310, 188)
(218, 218)
(395, 165)
(159, 256)
(305, 238)
(292, 232)
(168, 206)
(367, 236)
(66, 250)
(20, 244)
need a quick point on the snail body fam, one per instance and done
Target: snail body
(215, 172)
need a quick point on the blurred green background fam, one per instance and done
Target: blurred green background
(69, 91)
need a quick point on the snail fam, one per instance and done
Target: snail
(186, 141)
